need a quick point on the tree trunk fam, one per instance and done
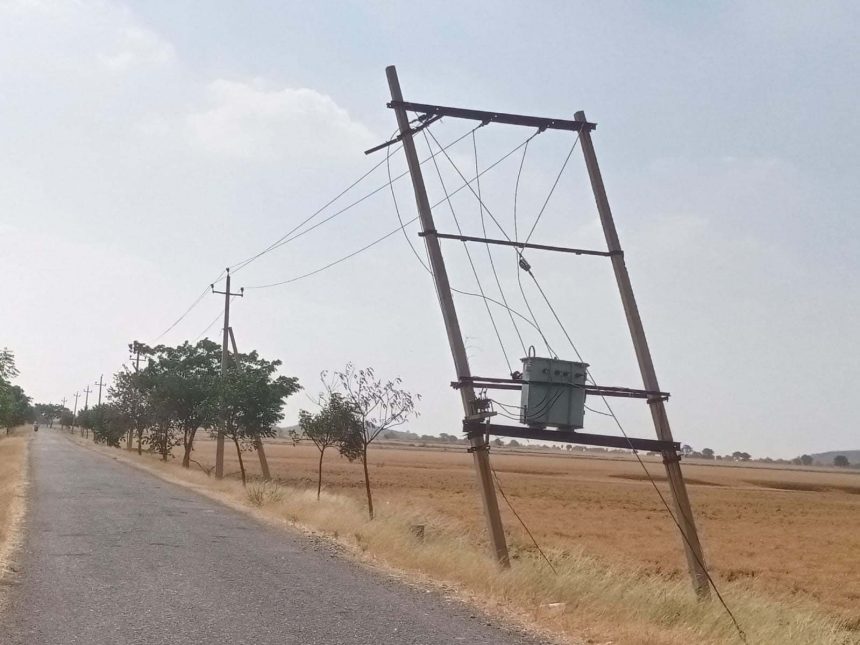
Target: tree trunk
(241, 463)
(367, 483)
(140, 442)
(319, 473)
(189, 446)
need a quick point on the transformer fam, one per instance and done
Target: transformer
(553, 393)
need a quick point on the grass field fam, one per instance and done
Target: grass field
(783, 544)
(788, 533)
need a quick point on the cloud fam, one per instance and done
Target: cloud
(250, 120)
(137, 46)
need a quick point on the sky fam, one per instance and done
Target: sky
(146, 146)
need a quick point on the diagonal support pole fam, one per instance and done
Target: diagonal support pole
(258, 443)
(683, 511)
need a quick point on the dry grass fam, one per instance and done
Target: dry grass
(620, 573)
(13, 473)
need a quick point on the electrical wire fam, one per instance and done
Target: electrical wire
(292, 234)
(193, 305)
(489, 249)
(741, 633)
(517, 515)
(517, 191)
(551, 190)
(468, 253)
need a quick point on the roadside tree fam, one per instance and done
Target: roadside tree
(334, 425)
(379, 406)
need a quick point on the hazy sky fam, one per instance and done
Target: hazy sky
(145, 146)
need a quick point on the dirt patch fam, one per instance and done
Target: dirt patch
(642, 477)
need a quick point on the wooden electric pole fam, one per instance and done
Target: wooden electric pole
(479, 444)
(219, 445)
(683, 511)
(135, 347)
(100, 383)
(258, 443)
(75, 412)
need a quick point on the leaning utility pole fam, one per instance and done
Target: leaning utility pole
(219, 445)
(671, 459)
(258, 443)
(86, 407)
(478, 442)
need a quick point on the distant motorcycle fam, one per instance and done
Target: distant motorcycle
(35, 427)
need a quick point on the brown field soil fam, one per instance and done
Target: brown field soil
(789, 533)
(13, 469)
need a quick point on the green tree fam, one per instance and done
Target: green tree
(108, 423)
(183, 382)
(15, 407)
(252, 397)
(841, 461)
(379, 405)
(707, 453)
(335, 424)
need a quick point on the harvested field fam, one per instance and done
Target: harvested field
(788, 533)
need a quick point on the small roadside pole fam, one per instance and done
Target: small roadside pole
(100, 383)
(87, 391)
(258, 443)
(130, 436)
(219, 445)
(75, 412)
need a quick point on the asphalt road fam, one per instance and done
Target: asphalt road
(113, 555)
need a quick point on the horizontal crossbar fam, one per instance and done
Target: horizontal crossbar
(570, 436)
(481, 382)
(520, 245)
(495, 117)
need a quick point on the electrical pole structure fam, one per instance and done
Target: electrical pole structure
(75, 412)
(258, 443)
(63, 406)
(225, 352)
(479, 445)
(683, 511)
(86, 407)
(130, 437)
(100, 384)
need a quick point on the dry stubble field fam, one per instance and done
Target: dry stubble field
(786, 532)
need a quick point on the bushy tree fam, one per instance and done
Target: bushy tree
(252, 397)
(841, 461)
(379, 406)
(15, 408)
(108, 423)
(335, 425)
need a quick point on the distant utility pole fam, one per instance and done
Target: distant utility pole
(75, 412)
(130, 437)
(479, 444)
(225, 352)
(100, 384)
(87, 398)
(258, 443)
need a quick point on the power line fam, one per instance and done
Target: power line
(552, 190)
(291, 235)
(675, 521)
(468, 254)
(489, 249)
(193, 305)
